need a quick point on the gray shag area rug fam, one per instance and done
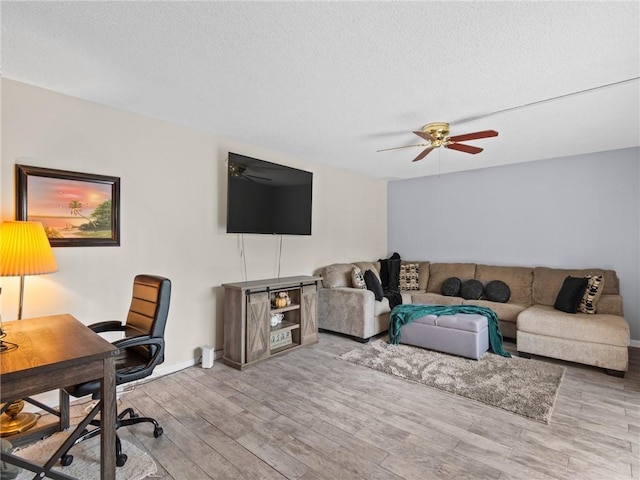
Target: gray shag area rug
(86, 459)
(522, 386)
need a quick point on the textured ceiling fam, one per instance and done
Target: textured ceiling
(333, 82)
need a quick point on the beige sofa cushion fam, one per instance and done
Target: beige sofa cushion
(507, 312)
(611, 304)
(519, 280)
(548, 281)
(600, 328)
(424, 271)
(373, 266)
(435, 299)
(381, 307)
(337, 275)
(439, 272)
(406, 296)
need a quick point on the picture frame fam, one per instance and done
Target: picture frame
(76, 209)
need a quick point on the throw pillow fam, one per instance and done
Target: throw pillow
(471, 289)
(570, 294)
(409, 277)
(373, 284)
(497, 291)
(595, 285)
(357, 278)
(451, 287)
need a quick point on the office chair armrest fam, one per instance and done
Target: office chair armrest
(139, 341)
(144, 341)
(108, 326)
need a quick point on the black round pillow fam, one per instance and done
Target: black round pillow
(471, 289)
(451, 287)
(497, 291)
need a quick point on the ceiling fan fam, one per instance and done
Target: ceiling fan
(240, 171)
(437, 134)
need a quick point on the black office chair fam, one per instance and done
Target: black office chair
(141, 351)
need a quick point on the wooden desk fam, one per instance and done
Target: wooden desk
(55, 352)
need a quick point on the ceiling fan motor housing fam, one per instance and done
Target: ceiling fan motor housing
(438, 130)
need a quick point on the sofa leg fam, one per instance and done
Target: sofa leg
(615, 373)
(524, 355)
(361, 340)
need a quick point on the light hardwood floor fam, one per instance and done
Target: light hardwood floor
(310, 415)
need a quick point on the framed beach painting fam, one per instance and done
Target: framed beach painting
(76, 209)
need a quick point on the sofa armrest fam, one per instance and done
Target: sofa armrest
(610, 304)
(345, 310)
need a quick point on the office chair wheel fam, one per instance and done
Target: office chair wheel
(157, 432)
(121, 460)
(65, 460)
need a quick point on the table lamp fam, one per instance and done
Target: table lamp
(24, 250)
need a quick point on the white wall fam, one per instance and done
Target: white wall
(573, 212)
(173, 204)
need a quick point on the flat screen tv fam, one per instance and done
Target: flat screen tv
(264, 197)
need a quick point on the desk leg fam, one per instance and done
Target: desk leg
(108, 421)
(63, 408)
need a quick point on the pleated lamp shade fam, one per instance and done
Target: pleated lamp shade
(25, 250)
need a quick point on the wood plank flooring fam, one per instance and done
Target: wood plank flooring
(309, 415)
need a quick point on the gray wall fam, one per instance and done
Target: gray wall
(571, 212)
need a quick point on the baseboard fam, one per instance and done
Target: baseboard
(162, 370)
(634, 343)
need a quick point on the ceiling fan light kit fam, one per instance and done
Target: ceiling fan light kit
(437, 134)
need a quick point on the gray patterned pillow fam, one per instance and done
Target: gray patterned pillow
(595, 285)
(357, 278)
(409, 277)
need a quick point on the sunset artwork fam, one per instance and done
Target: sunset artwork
(70, 208)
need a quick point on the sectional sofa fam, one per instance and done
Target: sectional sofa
(528, 317)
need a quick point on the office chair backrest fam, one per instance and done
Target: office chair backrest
(149, 306)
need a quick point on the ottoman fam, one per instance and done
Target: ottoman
(463, 334)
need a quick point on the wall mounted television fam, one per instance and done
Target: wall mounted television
(267, 198)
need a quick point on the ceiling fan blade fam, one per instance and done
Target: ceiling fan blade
(405, 146)
(473, 136)
(425, 135)
(464, 148)
(424, 153)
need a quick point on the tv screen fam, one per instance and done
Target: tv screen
(264, 197)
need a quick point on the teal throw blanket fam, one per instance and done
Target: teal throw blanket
(403, 314)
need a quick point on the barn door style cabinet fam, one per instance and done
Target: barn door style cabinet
(252, 308)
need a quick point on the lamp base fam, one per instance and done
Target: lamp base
(18, 424)
(15, 421)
